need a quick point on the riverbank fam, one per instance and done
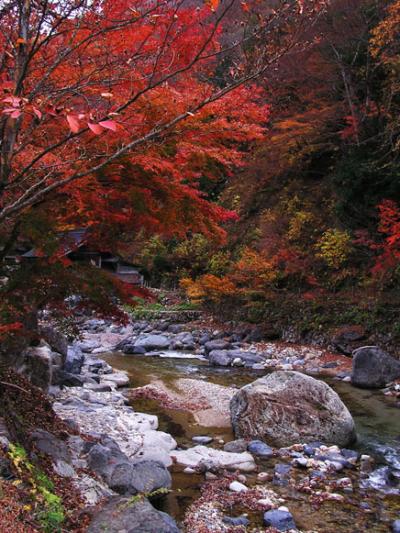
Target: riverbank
(162, 418)
(312, 481)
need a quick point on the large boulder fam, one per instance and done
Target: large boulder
(56, 339)
(286, 408)
(220, 358)
(217, 344)
(37, 365)
(153, 342)
(74, 360)
(123, 475)
(348, 338)
(130, 516)
(142, 477)
(373, 368)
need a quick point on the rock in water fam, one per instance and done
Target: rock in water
(211, 459)
(123, 514)
(286, 408)
(373, 368)
(153, 342)
(257, 447)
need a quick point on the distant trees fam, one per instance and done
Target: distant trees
(320, 204)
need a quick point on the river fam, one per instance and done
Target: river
(376, 416)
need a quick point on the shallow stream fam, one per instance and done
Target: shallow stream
(377, 421)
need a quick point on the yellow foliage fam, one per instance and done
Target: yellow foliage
(297, 223)
(334, 247)
(385, 34)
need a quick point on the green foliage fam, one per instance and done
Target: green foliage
(219, 263)
(162, 491)
(49, 509)
(147, 311)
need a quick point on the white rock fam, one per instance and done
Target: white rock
(91, 490)
(120, 379)
(266, 502)
(64, 469)
(235, 486)
(216, 458)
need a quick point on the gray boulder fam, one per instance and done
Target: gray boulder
(37, 365)
(286, 408)
(259, 448)
(348, 338)
(220, 358)
(218, 344)
(60, 377)
(121, 514)
(280, 520)
(149, 475)
(248, 358)
(373, 368)
(55, 339)
(183, 341)
(124, 476)
(133, 349)
(153, 342)
(47, 444)
(176, 328)
(74, 360)
(236, 446)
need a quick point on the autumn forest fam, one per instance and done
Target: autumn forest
(199, 266)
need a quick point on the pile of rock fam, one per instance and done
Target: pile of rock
(114, 477)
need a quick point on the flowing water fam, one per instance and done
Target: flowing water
(377, 421)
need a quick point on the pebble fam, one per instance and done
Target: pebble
(235, 486)
(301, 462)
(242, 478)
(310, 448)
(266, 502)
(259, 448)
(189, 470)
(210, 476)
(236, 520)
(263, 477)
(280, 520)
(351, 455)
(202, 439)
(345, 483)
(336, 497)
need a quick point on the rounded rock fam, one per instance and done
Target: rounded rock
(284, 408)
(279, 519)
(236, 486)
